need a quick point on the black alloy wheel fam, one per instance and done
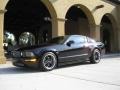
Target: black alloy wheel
(48, 61)
(96, 56)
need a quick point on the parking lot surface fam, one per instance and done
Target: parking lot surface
(83, 76)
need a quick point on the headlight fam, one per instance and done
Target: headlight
(28, 54)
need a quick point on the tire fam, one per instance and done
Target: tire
(48, 61)
(96, 57)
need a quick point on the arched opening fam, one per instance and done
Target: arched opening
(25, 16)
(107, 33)
(78, 21)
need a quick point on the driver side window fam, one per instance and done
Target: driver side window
(77, 39)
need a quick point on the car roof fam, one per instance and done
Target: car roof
(71, 36)
(75, 35)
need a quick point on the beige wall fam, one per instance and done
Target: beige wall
(86, 5)
(59, 8)
(89, 7)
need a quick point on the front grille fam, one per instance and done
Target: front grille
(22, 54)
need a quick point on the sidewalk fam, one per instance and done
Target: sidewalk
(102, 76)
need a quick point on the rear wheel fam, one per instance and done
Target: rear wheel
(96, 56)
(48, 61)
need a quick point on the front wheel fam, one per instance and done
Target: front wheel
(95, 57)
(48, 61)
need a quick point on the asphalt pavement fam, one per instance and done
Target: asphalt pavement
(83, 76)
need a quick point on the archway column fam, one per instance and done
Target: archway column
(95, 32)
(115, 40)
(58, 27)
(2, 57)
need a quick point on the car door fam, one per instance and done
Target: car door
(76, 51)
(81, 48)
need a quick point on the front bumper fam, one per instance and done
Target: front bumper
(25, 62)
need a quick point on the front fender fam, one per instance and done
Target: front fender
(40, 52)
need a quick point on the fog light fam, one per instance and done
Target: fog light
(32, 60)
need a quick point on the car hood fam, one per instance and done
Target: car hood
(42, 46)
(33, 47)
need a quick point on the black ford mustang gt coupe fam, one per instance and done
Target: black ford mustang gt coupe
(59, 50)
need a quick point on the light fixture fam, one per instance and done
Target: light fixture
(47, 18)
(78, 6)
(99, 6)
(3, 11)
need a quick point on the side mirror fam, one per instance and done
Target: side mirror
(69, 43)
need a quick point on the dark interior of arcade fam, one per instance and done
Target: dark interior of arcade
(25, 18)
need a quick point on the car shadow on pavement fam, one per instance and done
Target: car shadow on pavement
(17, 70)
(74, 65)
(20, 70)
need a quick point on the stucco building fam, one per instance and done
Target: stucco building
(44, 19)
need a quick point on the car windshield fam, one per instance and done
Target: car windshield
(58, 40)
